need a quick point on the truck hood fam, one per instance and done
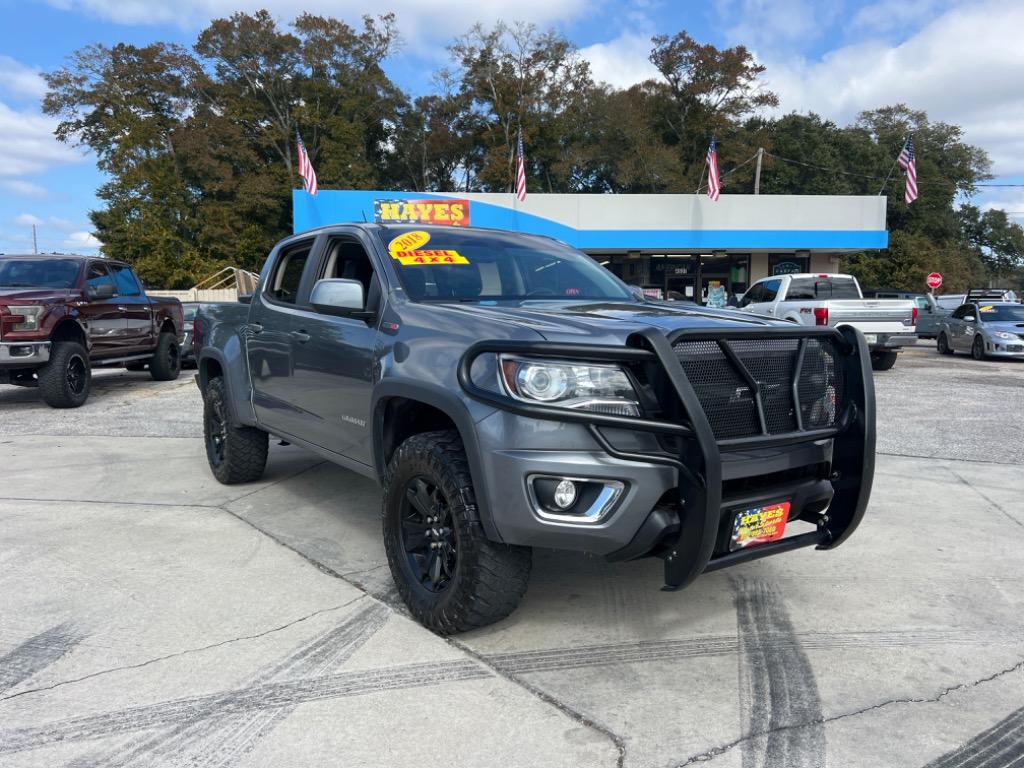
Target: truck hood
(33, 295)
(607, 322)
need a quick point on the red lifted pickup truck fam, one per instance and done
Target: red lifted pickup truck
(62, 315)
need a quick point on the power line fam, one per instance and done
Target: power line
(871, 176)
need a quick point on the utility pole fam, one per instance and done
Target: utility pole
(35, 244)
(757, 173)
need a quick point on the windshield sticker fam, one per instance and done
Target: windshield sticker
(408, 241)
(437, 256)
(988, 309)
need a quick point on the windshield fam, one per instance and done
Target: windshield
(38, 273)
(1002, 313)
(448, 264)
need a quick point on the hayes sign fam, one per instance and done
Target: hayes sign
(452, 213)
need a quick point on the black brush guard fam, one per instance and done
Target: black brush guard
(699, 462)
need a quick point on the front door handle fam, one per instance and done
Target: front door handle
(255, 329)
(301, 336)
(122, 309)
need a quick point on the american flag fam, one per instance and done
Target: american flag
(908, 162)
(306, 168)
(714, 183)
(520, 171)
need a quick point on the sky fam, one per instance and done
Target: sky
(961, 61)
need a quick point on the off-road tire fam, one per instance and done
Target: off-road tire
(65, 381)
(138, 365)
(978, 348)
(489, 578)
(236, 454)
(883, 361)
(165, 365)
(942, 344)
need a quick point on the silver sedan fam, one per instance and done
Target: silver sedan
(985, 329)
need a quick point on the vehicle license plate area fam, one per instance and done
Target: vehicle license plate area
(758, 525)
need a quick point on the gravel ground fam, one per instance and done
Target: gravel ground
(951, 407)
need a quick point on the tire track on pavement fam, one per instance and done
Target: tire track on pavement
(36, 654)
(208, 729)
(1001, 746)
(782, 689)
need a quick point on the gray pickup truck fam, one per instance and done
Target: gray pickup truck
(508, 393)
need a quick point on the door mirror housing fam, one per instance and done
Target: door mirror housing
(101, 291)
(970, 319)
(337, 296)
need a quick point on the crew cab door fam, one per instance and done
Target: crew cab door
(761, 298)
(104, 321)
(269, 337)
(333, 357)
(134, 308)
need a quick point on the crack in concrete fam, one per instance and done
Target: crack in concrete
(617, 741)
(184, 652)
(723, 748)
(983, 495)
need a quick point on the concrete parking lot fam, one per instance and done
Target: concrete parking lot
(149, 616)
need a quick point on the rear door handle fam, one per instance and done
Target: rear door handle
(301, 336)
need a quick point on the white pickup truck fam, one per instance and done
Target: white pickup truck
(811, 299)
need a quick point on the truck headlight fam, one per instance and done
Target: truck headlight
(585, 387)
(24, 318)
(1004, 335)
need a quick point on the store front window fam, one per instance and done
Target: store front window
(787, 263)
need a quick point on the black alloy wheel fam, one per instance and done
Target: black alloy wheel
(428, 535)
(978, 348)
(217, 433)
(76, 374)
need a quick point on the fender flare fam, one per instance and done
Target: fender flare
(449, 404)
(243, 416)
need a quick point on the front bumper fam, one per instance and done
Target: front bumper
(677, 506)
(24, 354)
(1008, 348)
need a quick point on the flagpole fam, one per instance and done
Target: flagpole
(892, 168)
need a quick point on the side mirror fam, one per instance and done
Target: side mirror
(340, 297)
(245, 298)
(101, 291)
(970, 319)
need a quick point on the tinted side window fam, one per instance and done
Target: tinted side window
(770, 290)
(752, 296)
(127, 285)
(347, 260)
(98, 275)
(800, 289)
(960, 312)
(287, 275)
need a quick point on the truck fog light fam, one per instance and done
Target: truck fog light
(565, 494)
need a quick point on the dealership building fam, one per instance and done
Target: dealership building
(670, 245)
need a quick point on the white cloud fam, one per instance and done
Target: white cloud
(27, 143)
(27, 220)
(23, 188)
(621, 62)
(414, 16)
(19, 80)
(897, 15)
(964, 67)
(770, 24)
(81, 240)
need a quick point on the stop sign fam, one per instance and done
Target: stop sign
(934, 280)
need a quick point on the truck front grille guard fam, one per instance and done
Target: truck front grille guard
(699, 462)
